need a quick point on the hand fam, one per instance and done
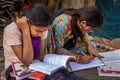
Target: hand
(93, 52)
(83, 59)
(22, 23)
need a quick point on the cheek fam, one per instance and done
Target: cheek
(87, 29)
(40, 34)
(35, 34)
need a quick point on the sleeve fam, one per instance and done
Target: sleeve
(59, 40)
(44, 35)
(12, 36)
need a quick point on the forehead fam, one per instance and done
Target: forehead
(38, 28)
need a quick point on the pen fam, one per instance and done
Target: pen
(82, 51)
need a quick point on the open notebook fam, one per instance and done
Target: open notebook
(109, 57)
(94, 63)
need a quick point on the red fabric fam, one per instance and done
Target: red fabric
(24, 5)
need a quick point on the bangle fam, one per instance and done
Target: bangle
(78, 58)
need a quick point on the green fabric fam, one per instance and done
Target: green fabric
(111, 26)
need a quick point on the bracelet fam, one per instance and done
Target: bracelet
(78, 58)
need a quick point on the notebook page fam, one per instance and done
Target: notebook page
(111, 56)
(94, 63)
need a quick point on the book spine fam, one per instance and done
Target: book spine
(109, 71)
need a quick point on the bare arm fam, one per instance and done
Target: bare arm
(42, 47)
(92, 51)
(24, 52)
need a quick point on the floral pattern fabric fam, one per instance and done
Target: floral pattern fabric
(59, 33)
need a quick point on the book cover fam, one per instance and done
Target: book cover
(20, 71)
(111, 69)
(37, 76)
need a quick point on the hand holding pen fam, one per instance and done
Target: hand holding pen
(83, 57)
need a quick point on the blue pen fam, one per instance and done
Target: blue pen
(82, 51)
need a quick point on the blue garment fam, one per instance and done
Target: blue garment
(111, 26)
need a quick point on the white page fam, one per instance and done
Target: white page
(112, 56)
(94, 63)
(44, 67)
(57, 59)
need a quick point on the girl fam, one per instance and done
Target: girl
(67, 35)
(24, 40)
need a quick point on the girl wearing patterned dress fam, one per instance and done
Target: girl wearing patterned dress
(67, 34)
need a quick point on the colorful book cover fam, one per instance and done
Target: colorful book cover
(20, 71)
(37, 76)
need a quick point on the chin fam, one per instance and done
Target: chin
(35, 36)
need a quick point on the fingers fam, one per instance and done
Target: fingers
(96, 55)
(92, 57)
(22, 19)
(84, 59)
(99, 56)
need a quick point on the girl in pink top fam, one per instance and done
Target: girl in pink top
(24, 40)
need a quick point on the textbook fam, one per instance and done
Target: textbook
(37, 76)
(112, 64)
(111, 56)
(51, 63)
(20, 71)
(109, 70)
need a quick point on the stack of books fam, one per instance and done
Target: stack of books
(112, 64)
(21, 72)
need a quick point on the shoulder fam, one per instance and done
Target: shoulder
(61, 16)
(12, 27)
(61, 20)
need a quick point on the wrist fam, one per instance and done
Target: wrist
(78, 57)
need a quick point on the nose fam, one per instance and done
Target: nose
(39, 34)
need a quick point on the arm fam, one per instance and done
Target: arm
(60, 43)
(42, 45)
(25, 51)
(92, 51)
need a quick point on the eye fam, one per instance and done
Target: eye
(39, 31)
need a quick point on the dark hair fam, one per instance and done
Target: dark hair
(92, 15)
(38, 14)
(69, 11)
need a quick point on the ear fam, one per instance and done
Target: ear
(83, 23)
